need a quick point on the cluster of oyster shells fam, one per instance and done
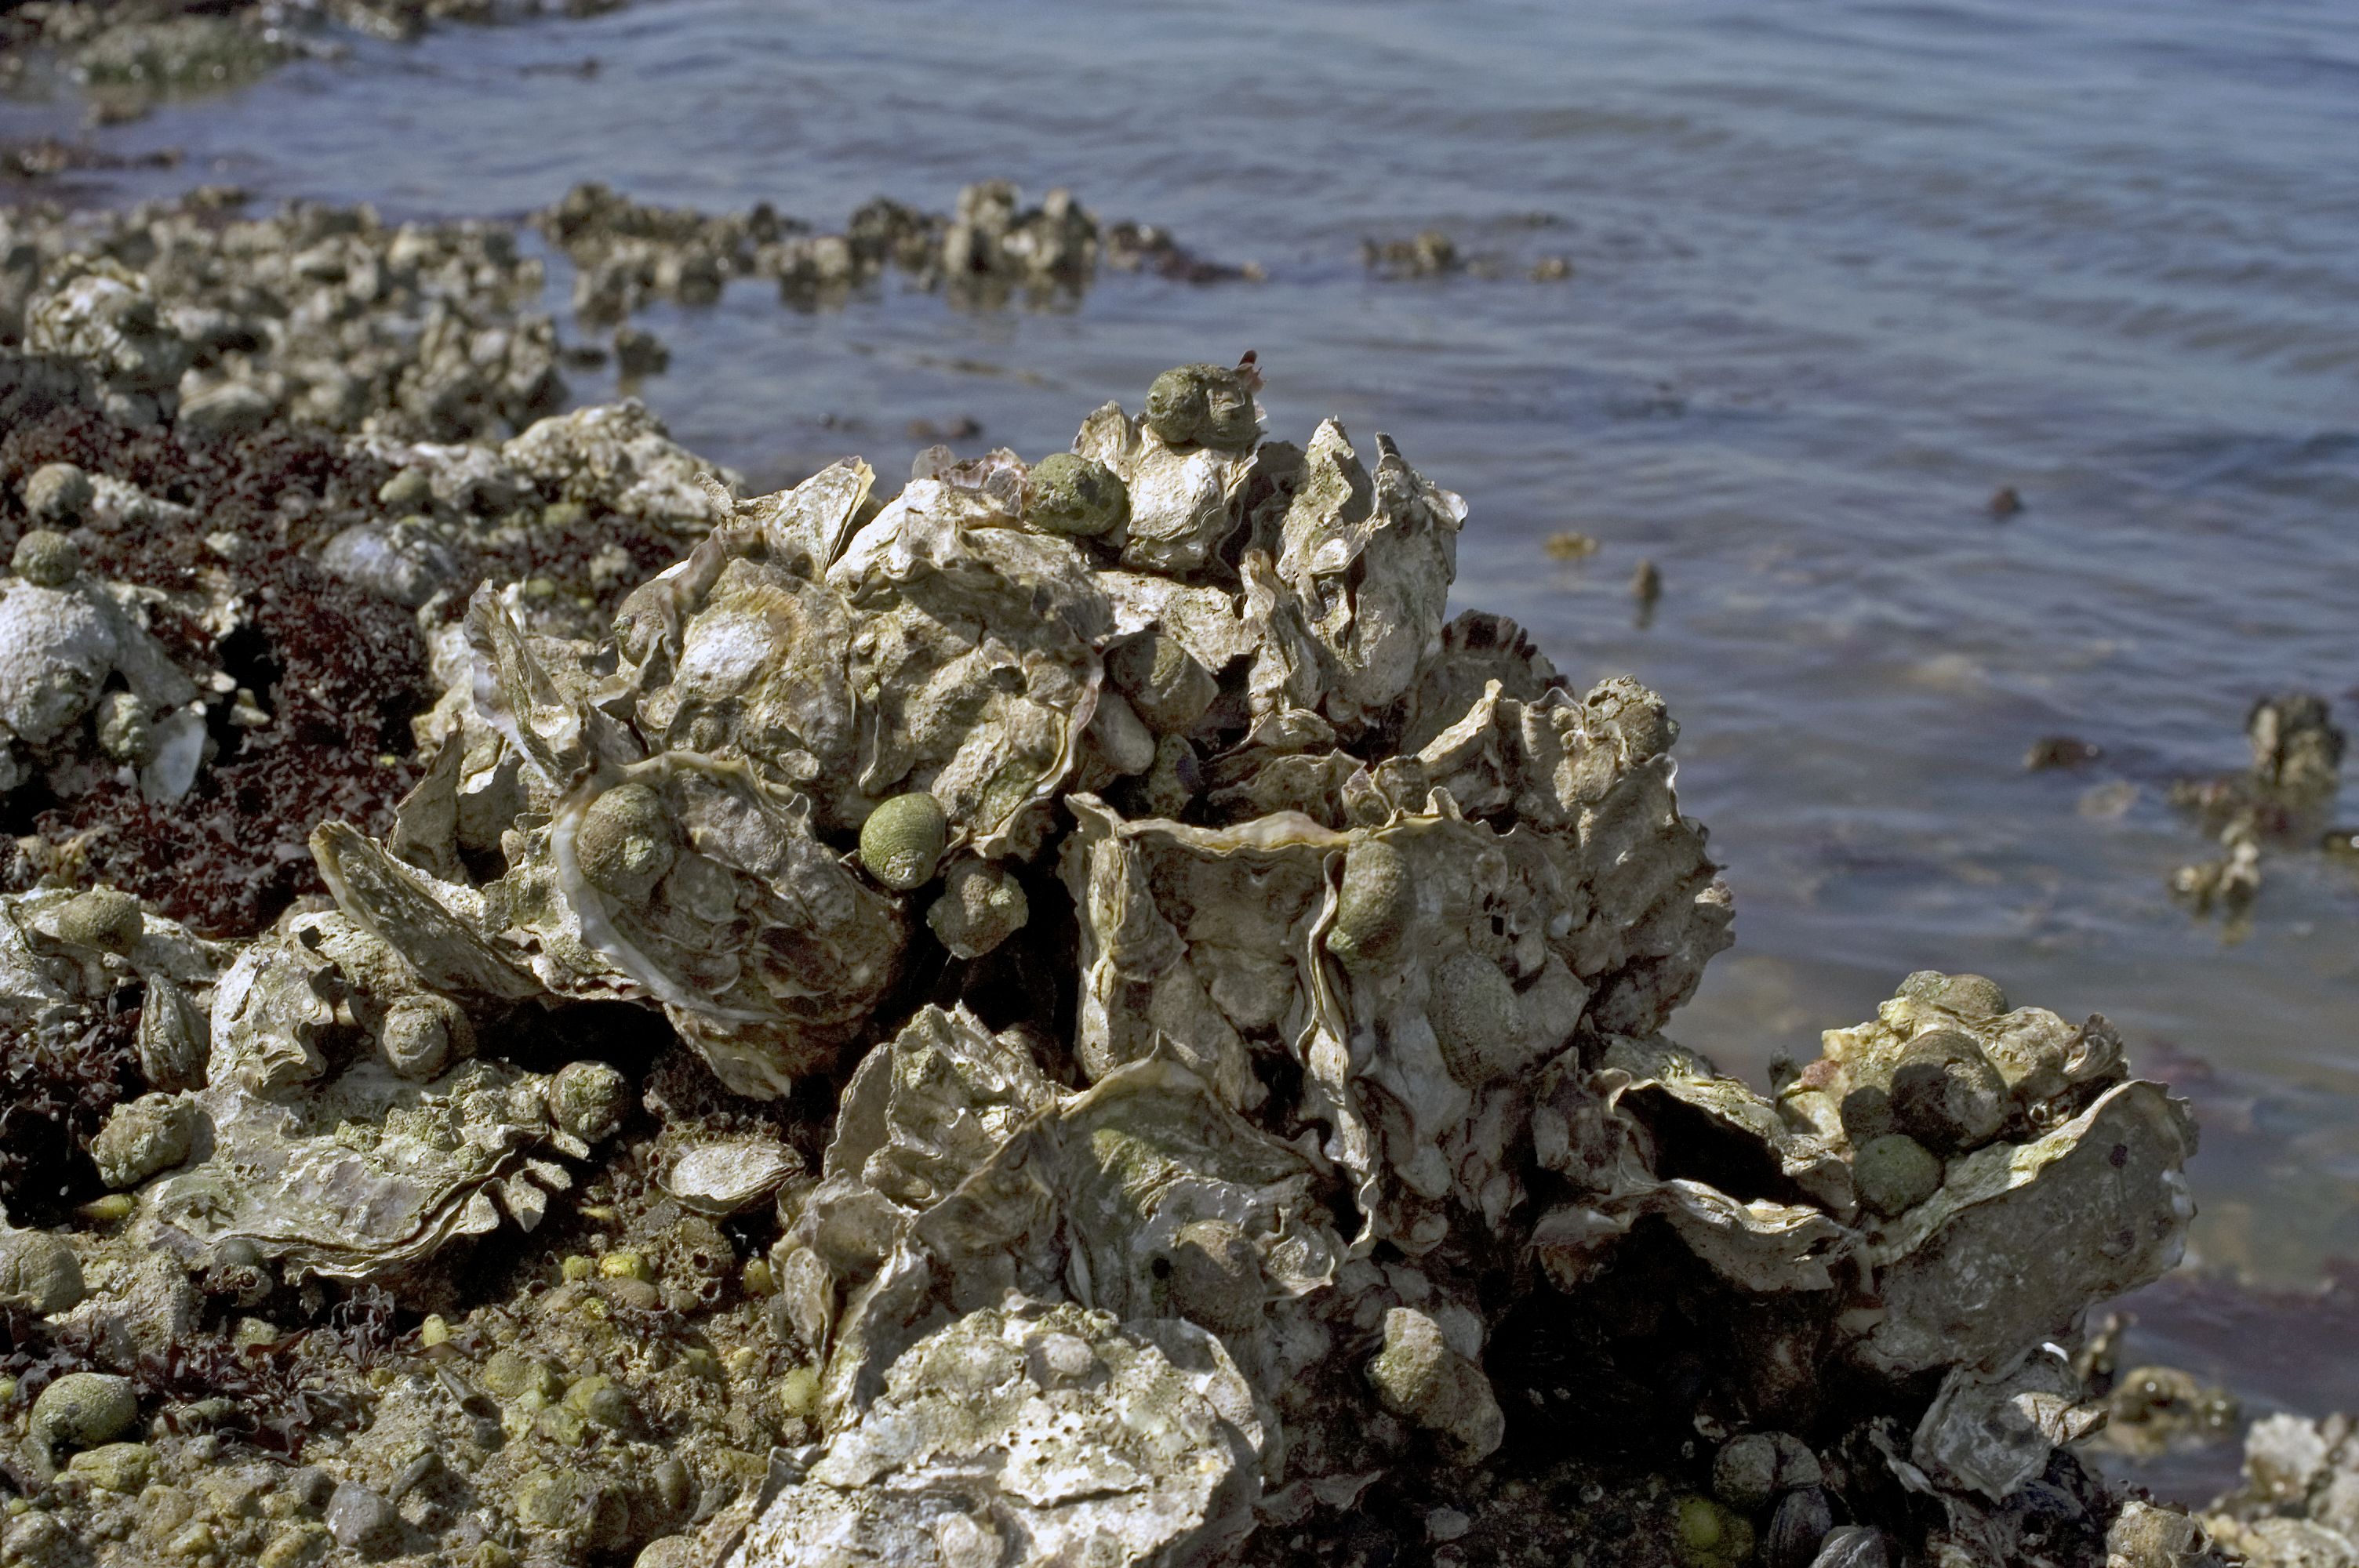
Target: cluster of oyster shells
(1300, 956)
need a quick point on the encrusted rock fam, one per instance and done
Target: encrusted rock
(82, 1410)
(152, 1133)
(39, 1271)
(1419, 1375)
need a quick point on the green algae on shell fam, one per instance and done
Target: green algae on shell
(1710, 1535)
(46, 558)
(1419, 1375)
(1893, 1173)
(1375, 905)
(589, 1099)
(627, 842)
(82, 1410)
(903, 840)
(39, 1272)
(1476, 1020)
(103, 918)
(1969, 996)
(424, 1033)
(1215, 1279)
(1202, 405)
(1075, 495)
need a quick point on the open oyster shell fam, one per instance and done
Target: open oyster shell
(368, 1175)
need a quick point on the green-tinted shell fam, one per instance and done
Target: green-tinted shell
(626, 843)
(1176, 404)
(513, 1375)
(1172, 782)
(1215, 1279)
(598, 1398)
(1375, 905)
(1968, 996)
(1712, 1536)
(423, 1035)
(1476, 1020)
(1895, 1172)
(103, 918)
(1202, 405)
(902, 840)
(1076, 495)
(47, 558)
(1417, 1375)
(1163, 681)
(1947, 1095)
(84, 1409)
(548, 1500)
(589, 1099)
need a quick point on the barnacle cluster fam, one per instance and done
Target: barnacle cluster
(1075, 1014)
(129, 57)
(2282, 797)
(989, 249)
(324, 314)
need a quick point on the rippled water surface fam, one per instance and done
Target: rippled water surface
(1840, 271)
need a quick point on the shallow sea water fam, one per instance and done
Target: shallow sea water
(1839, 272)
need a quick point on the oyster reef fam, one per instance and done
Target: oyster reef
(1070, 1014)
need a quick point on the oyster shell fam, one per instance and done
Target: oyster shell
(726, 1178)
(1372, 926)
(367, 1175)
(1031, 1434)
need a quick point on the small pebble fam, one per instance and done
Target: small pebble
(115, 1466)
(406, 492)
(362, 1520)
(57, 492)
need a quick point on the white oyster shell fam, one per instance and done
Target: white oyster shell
(724, 1178)
(1031, 1434)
